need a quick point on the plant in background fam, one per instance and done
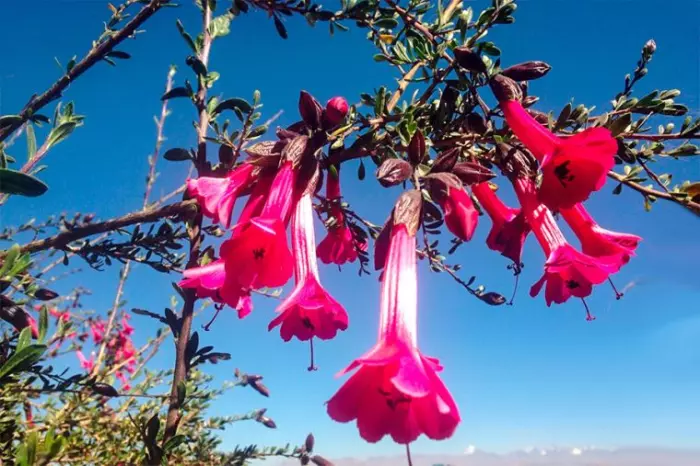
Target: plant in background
(445, 147)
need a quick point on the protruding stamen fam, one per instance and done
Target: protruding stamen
(312, 366)
(589, 316)
(218, 308)
(618, 294)
(408, 455)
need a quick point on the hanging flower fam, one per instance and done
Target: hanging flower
(309, 311)
(567, 272)
(396, 390)
(461, 217)
(216, 196)
(509, 228)
(597, 241)
(339, 246)
(257, 255)
(209, 282)
(572, 167)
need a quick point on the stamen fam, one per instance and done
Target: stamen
(589, 316)
(408, 455)
(618, 295)
(312, 366)
(516, 272)
(218, 308)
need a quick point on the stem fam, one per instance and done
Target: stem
(150, 181)
(96, 54)
(690, 205)
(61, 240)
(181, 364)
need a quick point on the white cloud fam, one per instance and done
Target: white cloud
(576, 451)
(470, 450)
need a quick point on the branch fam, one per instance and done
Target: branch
(690, 205)
(96, 54)
(61, 240)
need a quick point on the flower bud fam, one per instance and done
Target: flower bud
(471, 173)
(527, 71)
(320, 461)
(650, 47)
(446, 160)
(469, 60)
(475, 123)
(309, 443)
(504, 88)
(336, 109)
(393, 172)
(416, 148)
(310, 110)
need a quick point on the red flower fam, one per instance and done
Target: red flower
(97, 329)
(597, 241)
(396, 390)
(216, 196)
(509, 229)
(336, 109)
(567, 272)
(572, 167)
(309, 311)
(339, 246)
(461, 217)
(87, 364)
(209, 282)
(257, 255)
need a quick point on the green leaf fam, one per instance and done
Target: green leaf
(10, 258)
(197, 65)
(257, 132)
(61, 132)
(186, 36)
(361, 171)
(24, 339)
(619, 125)
(176, 92)
(15, 182)
(234, 103)
(21, 360)
(177, 155)
(31, 141)
(43, 322)
(220, 26)
(563, 117)
(152, 428)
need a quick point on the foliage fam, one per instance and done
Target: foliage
(445, 128)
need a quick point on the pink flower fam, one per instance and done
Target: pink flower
(126, 329)
(209, 282)
(599, 242)
(572, 167)
(461, 217)
(509, 229)
(396, 390)
(61, 316)
(309, 311)
(567, 272)
(87, 364)
(216, 196)
(257, 255)
(126, 386)
(336, 109)
(339, 245)
(97, 329)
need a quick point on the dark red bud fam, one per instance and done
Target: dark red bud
(393, 172)
(267, 422)
(476, 123)
(416, 148)
(225, 154)
(43, 294)
(320, 461)
(469, 60)
(504, 88)
(336, 110)
(310, 110)
(446, 160)
(259, 387)
(471, 173)
(527, 71)
(309, 443)
(304, 459)
(13, 314)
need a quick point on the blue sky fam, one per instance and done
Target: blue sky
(522, 375)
